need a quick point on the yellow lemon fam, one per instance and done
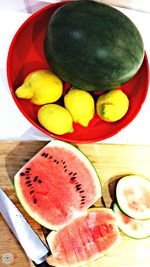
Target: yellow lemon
(41, 86)
(112, 106)
(55, 119)
(81, 105)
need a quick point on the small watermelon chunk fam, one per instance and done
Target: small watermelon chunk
(133, 196)
(57, 184)
(85, 239)
(134, 228)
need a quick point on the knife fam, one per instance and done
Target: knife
(29, 240)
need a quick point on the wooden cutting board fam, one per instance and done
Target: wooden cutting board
(111, 162)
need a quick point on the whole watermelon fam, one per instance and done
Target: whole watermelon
(93, 46)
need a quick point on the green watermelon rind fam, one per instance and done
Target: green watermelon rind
(124, 229)
(97, 256)
(122, 206)
(114, 46)
(89, 165)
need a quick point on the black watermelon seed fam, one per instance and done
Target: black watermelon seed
(72, 178)
(44, 154)
(70, 173)
(64, 162)
(75, 173)
(32, 191)
(35, 200)
(28, 182)
(65, 170)
(55, 160)
(82, 191)
(83, 197)
(50, 157)
(27, 178)
(29, 185)
(35, 178)
(78, 188)
(39, 181)
(22, 174)
(28, 169)
(65, 167)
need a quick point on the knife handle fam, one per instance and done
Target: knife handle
(43, 264)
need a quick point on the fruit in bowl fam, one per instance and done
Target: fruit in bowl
(81, 106)
(25, 57)
(112, 106)
(93, 46)
(44, 87)
(55, 119)
(41, 86)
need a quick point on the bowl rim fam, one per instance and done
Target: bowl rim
(39, 127)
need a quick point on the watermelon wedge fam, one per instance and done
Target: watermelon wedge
(133, 196)
(85, 239)
(57, 185)
(134, 228)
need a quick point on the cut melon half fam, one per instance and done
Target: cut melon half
(85, 239)
(134, 228)
(133, 196)
(57, 185)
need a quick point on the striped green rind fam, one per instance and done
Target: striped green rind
(93, 46)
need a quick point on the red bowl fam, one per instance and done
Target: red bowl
(26, 55)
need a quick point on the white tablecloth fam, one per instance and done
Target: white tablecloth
(14, 126)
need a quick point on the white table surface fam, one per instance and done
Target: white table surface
(14, 126)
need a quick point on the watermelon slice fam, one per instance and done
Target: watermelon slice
(133, 196)
(85, 239)
(57, 185)
(134, 228)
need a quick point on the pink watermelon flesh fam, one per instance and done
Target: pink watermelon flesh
(132, 227)
(133, 203)
(85, 239)
(56, 184)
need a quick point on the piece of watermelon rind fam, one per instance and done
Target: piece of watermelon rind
(121, 204)
(124, 230)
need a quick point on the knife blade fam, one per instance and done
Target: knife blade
(33, 246)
